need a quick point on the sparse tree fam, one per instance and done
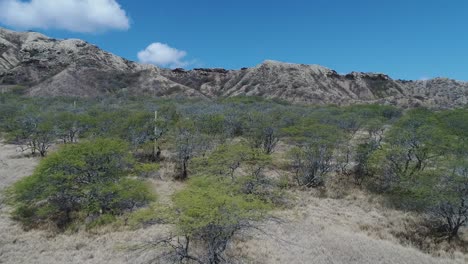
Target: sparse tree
(70, 125)
(34, 132)
(187, 144)
(262, 132)
(410, 146)
(311, 164)
(312, 160)
(228, 158)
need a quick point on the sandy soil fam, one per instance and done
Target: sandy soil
(317, 230)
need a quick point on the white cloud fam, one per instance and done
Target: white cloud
(85, 16)
(163, 55)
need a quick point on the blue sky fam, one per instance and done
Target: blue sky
(405, 39)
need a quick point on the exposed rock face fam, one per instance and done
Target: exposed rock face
(73, 67)
(320, 85)
(301, 83)
(51, 67)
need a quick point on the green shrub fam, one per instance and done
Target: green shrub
(102, 220)
(79, 181)
(146, 170)
(211, 211)
(262, 188)
(226, 159)
(155, 213)
(209, 201)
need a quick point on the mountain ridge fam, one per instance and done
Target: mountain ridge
(73, 67)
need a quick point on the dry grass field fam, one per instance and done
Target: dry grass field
(351, 230)
(354, 229)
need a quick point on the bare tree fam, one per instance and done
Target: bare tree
(262, 132)
(451, 201)
(35, 133)
(188, 144)
(311, 163)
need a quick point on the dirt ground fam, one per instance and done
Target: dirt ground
(314, 230)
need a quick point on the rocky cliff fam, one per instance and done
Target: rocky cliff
(51, 67)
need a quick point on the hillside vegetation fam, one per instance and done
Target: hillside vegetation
(238, 180)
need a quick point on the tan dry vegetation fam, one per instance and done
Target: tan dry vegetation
(14, 165)
(355, 229)
(326, 230)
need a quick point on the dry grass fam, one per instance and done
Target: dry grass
(326, 230)
(14, 165)
(354, 229)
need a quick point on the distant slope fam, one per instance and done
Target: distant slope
(73, 67)
(320, 85)
(293, 82)
(51, 67)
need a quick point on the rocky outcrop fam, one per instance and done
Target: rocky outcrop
(319, 85)
(50, 67)
(73, 67)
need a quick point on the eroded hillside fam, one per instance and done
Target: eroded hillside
(51, 67)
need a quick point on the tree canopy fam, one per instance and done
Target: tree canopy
(79, 181)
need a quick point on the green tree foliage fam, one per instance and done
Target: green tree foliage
(228, 158)
(414, 142)
(421, 166)
(211, 211)
(364, 151)
(79, 181)
(212, 124)
(449, 197)
(147, 170)
(414, 155)
(245, 167)
(441, 192)
(455, 123)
